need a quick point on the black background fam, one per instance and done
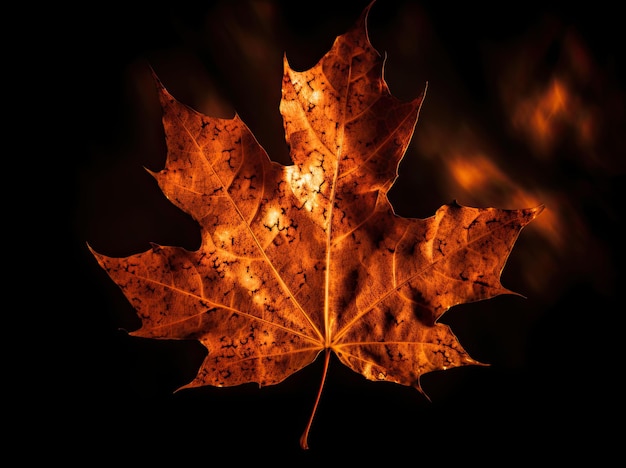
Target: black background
(553, 387)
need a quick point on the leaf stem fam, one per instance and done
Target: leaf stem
(305, 435)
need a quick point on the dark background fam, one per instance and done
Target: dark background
(552, 391)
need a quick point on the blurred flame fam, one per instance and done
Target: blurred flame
(474, 173)
(560, 100)
(546, 114)
(539, 116)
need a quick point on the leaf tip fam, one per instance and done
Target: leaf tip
(156, 78)
(150, 171)
(369, 7)
(537, 210)
(516, 294)
(97, 256)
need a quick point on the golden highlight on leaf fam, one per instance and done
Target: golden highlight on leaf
(296, 260)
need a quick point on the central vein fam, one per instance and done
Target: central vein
(329, 231)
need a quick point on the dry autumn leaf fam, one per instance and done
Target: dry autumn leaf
(308, 259)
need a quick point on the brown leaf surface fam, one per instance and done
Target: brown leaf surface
(299, 259)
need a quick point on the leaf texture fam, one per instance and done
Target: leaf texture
(295, 260)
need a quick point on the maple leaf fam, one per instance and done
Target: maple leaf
(309, 258)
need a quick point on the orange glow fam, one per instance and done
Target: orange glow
(558, 106)
(541, 115)
(474, 173)
(552, 104)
